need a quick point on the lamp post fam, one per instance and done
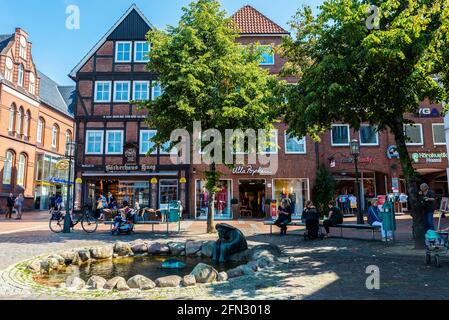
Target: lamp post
(69, 154)
(354, 149)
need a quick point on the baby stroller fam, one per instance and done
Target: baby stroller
(436, 244)
(123, 225)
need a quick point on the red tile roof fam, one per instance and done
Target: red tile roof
(251, 21)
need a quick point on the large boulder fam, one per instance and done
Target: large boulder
(204, 273)
(122, 285)
(188, 280)
(114, 282)
(122, 249)
(60, 259)
(244, 255)
(34, 266)
(207, 249)
(48, 264)
(140, 282)
(103, 252)
(68, 256)
(83, 254)
(96, 282)
(75, 283)
(192, 247)
(158, 248)
(139, 247)
(168, 281)
(176, 248)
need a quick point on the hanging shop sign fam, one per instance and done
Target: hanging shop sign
(62, 164)
(392, 152)
(183, 180)
(429, 113)
(153, 181)
(430, 157)
(250, 170)
(127, 167)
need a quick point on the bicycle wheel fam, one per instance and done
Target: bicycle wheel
(56, 225)
(89, 223)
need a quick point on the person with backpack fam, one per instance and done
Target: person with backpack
(10, 201)
(375, 219)
(334, 217)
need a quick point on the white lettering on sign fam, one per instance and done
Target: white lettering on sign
(249, 170)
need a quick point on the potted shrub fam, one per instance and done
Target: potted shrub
(267, 205)
(235, 207)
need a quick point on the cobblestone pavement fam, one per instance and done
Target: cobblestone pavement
(322, 269)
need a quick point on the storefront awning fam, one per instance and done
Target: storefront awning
(128, 174)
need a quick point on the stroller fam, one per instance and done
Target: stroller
(436, 244)
(124, 225)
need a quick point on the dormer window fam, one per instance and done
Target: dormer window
(141, 49)
(8, 69)
(123, 51)
(23, 47)
(32, 85)
(20, 75)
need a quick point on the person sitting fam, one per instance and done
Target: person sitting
(334, 217)
(285, 216)
(312, 220)
(375, 219)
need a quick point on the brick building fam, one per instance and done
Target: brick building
(36, 123)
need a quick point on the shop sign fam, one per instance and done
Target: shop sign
(430, 157)
(153, 181)
(429, 112)
(361, 160)
(59, 180)
(127, 167)
(183, 180)
(250, 170)
(130, 153)
(79, 180)
(392, 152)
(62, 164)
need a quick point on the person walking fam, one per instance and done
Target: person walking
(426, 200)
(19, 206)
(9, 205)
(375, 219)
(334, 217)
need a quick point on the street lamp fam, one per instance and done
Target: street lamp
(69, 154)
(354, 150)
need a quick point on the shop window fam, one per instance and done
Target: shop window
(439, 137)
(123, 51)
(294, 145)
(21, 170)
(340, 135)
(368, 135)
(145, 143)
(7, 167)
(168, 191)
(121, 91)
(40, 128)
(414, 134)
(94, 142)
(222, 206)
(296, 190)
(132, 192)
(141, 49)
(156, 90)
(114, 142)
(20, 75)
(141, 90)
(102, 91)
(267, 55)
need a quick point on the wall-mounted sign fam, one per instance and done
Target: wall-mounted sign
(62, 164)
(361, 160)
(79, 180)
(250, 170)
(430, 157)
(126, 167)
(58, 180)
(392, 152)
(153, 181)
(183, 180)
(130, 153)
(429, 112)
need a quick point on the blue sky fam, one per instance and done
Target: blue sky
(56, 50)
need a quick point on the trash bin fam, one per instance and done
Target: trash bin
(388, 217)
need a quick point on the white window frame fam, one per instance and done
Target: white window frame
(268, 64)
(433, 134)
(332, 138)
(276, 146)
(7, 174)
(154, 84)
(135, 51)
(143, 131)
(40, 128)
(293, 152)
(421, 131)
(87, 141)
(26, 123)
(141, 82)
(22, 47)
(96, 91)
(115, 90)
(12, 118)
(20, 75)
(377, 136)
(121, 141)
(117, 43)
(54, 137)
(21, 170)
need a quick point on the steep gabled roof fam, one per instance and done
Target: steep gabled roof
(251, 21)
(4, 40)
(131, 11)
(58, 97)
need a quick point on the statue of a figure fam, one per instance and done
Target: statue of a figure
(230, 240)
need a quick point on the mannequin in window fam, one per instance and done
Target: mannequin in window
(292, 197)
(283, 194)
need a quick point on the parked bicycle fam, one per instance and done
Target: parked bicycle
(88, 222)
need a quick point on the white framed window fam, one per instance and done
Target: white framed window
(20, 75)
(141, 90)
(12, 114)
(23, 47)
(121, 91)
(102, 91)
(26, 124)
(141, 49)
(40, 128)
(414, 134)
(270, 146)
(340, 135)
(439, 137)
(54, 136)
(21, 170)
(368, 135)
(7, 167)
(294, 145)
(94, 141)
(114, 142)
(8, 69)
(145, 143)
(123, 51)
(32, 85)
(68, 136)
(267, 55)
(19, 121)
(156, 90)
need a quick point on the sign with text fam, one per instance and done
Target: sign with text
(430, 157)
(126, 167)
(250, 170)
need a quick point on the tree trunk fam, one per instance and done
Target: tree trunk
(211, 186)
(411, 178)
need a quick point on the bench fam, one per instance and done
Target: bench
(152, 223)
(292, 223)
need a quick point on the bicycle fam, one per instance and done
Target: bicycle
(88, 222)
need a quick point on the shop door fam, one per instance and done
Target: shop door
(251, 198)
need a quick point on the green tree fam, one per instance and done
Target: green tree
(324, 189)
(207, 76)
(353, 70)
